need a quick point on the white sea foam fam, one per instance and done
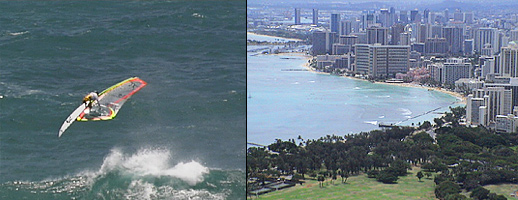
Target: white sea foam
(19, 33)
(381, 117)
(198, 15)
(142, 190)
(404, 111)
(371, 122)
(154, 162)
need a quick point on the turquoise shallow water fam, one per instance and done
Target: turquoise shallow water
(284, 104)
(180, 137)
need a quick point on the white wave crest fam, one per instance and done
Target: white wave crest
(154, 162)
(139, 189)
(19, 33)
(404, 111)
(371, 122)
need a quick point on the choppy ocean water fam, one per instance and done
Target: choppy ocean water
(181, 137)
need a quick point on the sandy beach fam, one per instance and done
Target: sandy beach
(461, 98)
(290, 39)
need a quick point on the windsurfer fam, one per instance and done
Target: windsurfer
(91, 98)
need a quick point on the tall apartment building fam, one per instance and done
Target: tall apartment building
(415, 16)
(297, 16)
(455, 37)
(315, 16)
(335, 23)
(404, 38)
(346, 27)
(450, 71)
(395, 31)
(496, 101)
(382, 60)
(377, 35)
(435, 46)
(385, 18)
(509, 60)
(323, 42)
(486, 38)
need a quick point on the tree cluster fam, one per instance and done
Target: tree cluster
(462, 157)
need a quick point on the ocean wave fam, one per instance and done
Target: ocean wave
(19, 33)
(145, 174)
(371, 122)
(154, 162)
(404, 111)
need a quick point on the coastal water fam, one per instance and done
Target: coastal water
(180, 137)
(284, 101)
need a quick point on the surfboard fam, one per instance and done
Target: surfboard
(71, 118)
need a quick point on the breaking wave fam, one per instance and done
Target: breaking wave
(145, 174)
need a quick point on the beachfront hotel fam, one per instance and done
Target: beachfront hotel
(382, 60)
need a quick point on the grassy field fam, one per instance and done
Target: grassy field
(504, 189)
(359, 187)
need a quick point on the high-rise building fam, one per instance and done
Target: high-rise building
(393, 16)
(415, 16)
(297, 16)
(435, 31)
(432, 17)
(509, 60)
(384, 17)
(403, 17)
(497, 101)
(435, 46)
(323, 42)
(319, 43)
(367, 20)
(446, 15)
(450, 71)
(422, 32)
(348, 39)
(345, 44)
(426, 14)
(395, 32)
(486, 38)
(377, 35)
(458, 16)
(404, 38)
(472, 110)
(468, 18)
(346, 27)
(513, 35)
(335, 23)
(455, 38)
(315, 16)
(468, 47)
(382, 60)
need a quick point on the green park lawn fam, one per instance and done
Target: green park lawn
(359, 187)
(504, 189)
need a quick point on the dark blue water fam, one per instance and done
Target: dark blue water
(181, 137)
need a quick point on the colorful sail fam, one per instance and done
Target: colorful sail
(112, 99)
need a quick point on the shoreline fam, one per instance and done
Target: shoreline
(289, 39)
(460, 98)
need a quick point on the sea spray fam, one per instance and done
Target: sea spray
(153, 162)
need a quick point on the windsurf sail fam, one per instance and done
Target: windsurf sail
(110, 102)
